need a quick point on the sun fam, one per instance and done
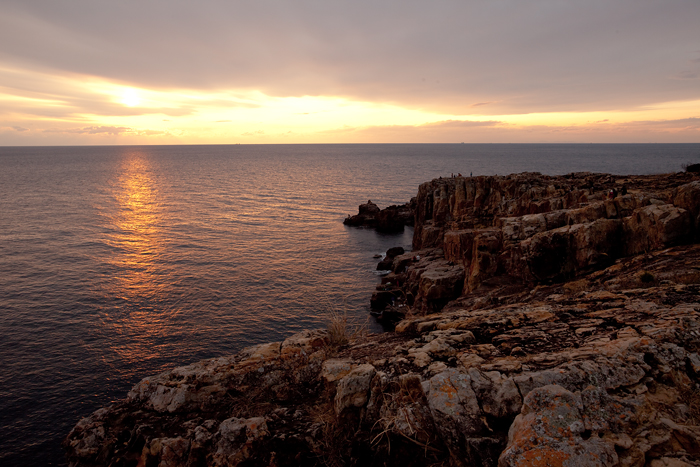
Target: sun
(130, 98)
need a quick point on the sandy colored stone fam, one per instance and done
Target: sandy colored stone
(237, 438)
(353, 389)
(335, 369)
(548, 432)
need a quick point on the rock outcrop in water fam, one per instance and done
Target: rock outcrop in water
(544, 325)
(388, 220)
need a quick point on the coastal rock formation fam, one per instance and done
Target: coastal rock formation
(525, 229)
(388, 220)
(366, 217)
(388, 261)
(591, 359)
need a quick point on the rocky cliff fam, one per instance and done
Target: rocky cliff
(544, 324)
(507, 234)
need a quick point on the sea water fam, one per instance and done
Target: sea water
(121, 262)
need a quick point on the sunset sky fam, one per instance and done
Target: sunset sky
(380, 71)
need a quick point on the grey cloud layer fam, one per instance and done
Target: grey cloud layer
(489, 57)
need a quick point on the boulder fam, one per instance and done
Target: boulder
(499, 395)
(438, 285)
(401, 262)
(387, 262)
(237, 440)
(688, 198)
(458, 419)
(391, 219)
(655, 227)
(352, 390)
(562, 253)
(550, 431)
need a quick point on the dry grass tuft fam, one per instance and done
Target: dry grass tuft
(332, 442)
(340, 332)
(646, 277)
(574, 287)
(399, 399)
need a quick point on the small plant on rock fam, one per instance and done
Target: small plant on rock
(340, 333)
(646, 277)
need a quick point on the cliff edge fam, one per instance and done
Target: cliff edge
(546, 321)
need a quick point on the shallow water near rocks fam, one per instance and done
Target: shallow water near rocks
(120, 262)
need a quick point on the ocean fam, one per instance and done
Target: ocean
(119, 262)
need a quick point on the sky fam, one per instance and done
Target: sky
(94, 72)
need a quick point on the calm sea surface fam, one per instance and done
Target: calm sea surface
(120, 262)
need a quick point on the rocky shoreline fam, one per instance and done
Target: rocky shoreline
(539, 321)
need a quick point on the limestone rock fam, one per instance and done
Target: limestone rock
(439, 285)
(550, 431)
(656, 226)
(499, 395)
(353, 389)
(458, 418)
(237, 439)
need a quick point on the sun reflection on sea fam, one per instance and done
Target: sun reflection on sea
(137, 244)
(136, 220)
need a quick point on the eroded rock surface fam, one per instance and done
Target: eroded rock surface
(513, 232)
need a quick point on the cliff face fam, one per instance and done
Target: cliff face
(596, 364)
(452, 204)
(516, 231)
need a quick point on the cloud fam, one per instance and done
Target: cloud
(425, 127)
(152, 133)
(519, 57)
(93, 130)
(461, 123)
(107, 130)
(673, 130)
(19, 128)
(692, 123)
(688, 75)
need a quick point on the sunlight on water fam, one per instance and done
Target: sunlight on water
(136, 240)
